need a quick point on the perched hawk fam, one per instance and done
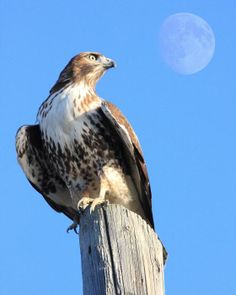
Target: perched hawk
(83, 151)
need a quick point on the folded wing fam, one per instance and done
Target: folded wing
(133, 155)
(33, 160)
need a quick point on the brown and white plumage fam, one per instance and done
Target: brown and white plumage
(84, 151)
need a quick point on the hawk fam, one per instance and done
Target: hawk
(83, 151)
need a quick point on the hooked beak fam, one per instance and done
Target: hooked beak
(109, 63)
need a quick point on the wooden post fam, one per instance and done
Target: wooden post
(120, 253)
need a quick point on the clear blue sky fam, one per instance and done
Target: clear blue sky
(186, 125)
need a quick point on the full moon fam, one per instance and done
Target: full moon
(187, 43)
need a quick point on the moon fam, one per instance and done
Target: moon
(187, 43)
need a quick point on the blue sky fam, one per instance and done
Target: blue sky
(186, 125)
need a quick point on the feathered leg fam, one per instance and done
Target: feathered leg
(93, 202)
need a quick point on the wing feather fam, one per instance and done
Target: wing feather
(134, 155)
(32, 159)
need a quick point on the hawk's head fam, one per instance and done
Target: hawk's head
(87, 67)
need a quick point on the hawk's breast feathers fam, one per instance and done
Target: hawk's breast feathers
(84, 150)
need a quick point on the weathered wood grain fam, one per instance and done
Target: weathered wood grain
(120, 253)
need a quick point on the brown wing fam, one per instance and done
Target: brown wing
(134, 153)
(33, 161)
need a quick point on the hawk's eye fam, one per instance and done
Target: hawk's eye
(92, 57)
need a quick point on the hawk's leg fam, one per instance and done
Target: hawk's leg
(93, 202)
